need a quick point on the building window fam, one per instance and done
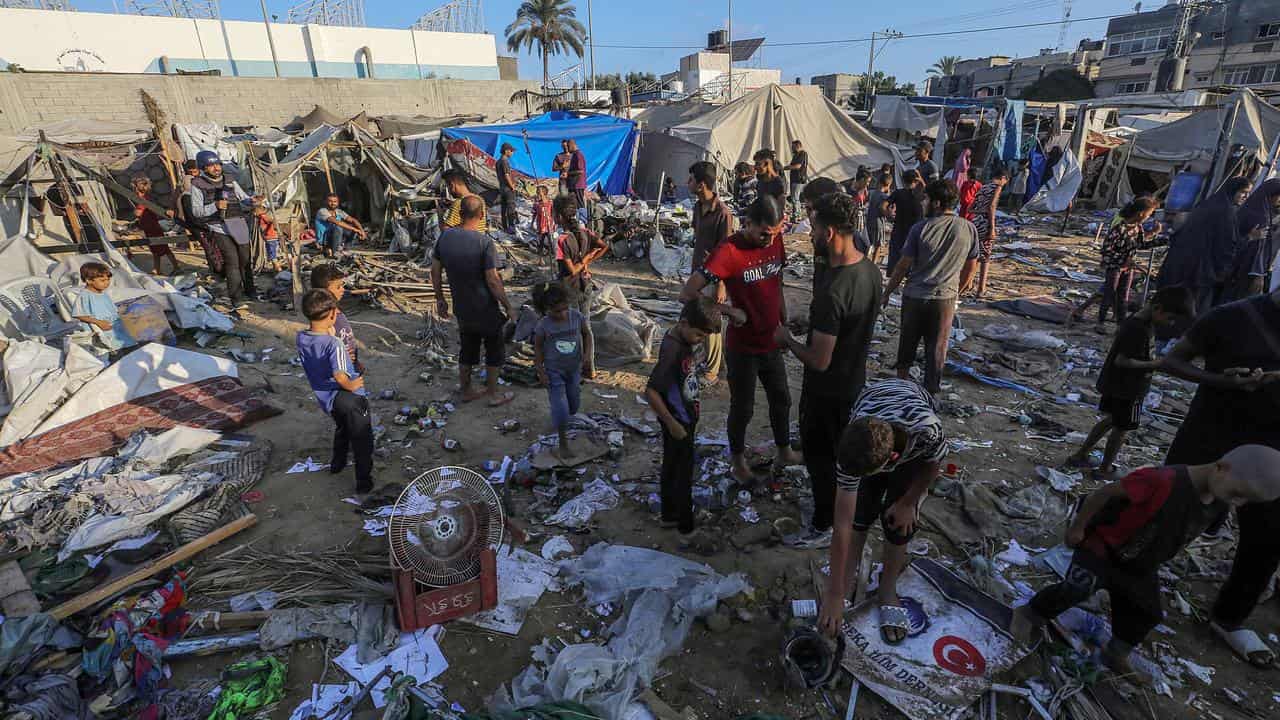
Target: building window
(1218, 35)
(1000, 90)
(1252, 74)
(1143, 41)
(1269, 30)
(1202, 78)
(1138, 61)
(1263, 47)
(1132, 87)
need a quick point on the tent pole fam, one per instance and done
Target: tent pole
(1224, 135)
(72, 213)
(324, 160)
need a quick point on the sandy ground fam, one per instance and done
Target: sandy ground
(725, 674)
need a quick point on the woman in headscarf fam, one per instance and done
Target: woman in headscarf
(1253, 261)
(1202, 250)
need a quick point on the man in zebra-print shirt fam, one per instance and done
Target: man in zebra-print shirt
(888, 457)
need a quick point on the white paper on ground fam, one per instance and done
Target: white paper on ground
(418, 655)
(522, 579)
(555, 547)
(307, 465)
(324, 698)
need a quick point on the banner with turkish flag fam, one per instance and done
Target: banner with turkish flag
(957, 643)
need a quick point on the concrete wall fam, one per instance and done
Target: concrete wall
(100, 42)
(33, 99)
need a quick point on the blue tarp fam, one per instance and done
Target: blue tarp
(1010, 133)
(608, 143)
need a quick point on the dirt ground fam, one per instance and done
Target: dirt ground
(734, 672)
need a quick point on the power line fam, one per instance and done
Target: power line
(812, 43)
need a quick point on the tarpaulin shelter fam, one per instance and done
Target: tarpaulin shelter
(1205, 138)
(607, 142)
(1236, 135)
(313, 120)
(363, 170)
(771, 117)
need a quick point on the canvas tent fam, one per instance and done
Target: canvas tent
(607, 142)
(1205, 138)
(770, 117)
(1236, 135)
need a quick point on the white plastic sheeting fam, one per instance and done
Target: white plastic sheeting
(38, 378)
(156, 498)
(149, 369)
(663, 595)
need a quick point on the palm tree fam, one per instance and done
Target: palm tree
(946, 65)
(549, 24)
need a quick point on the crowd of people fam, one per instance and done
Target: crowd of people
(872, 449)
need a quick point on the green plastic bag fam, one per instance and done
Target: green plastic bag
(249, 686)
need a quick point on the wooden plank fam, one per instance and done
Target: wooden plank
(18, 600)
(111, 589)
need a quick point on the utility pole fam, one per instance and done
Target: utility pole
(730, 50)
(275, 61)
(887, 34)
(591, 39)
(1171, 73)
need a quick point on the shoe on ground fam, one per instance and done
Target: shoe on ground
(811, 539)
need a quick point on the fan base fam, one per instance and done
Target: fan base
(418, 606)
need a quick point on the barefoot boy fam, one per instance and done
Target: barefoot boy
(1126, 374)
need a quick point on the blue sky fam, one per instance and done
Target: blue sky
(687, 22)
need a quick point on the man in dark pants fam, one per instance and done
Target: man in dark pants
(938, 262)
(908, 209)
(712, 224)
(479, 300)
(750, 265)
(1237, 403)
(221, 206)
(842, 319)
(507, 189)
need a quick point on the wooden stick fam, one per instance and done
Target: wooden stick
(324, 162)
(213, 645)
(104, 592)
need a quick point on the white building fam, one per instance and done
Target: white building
(48, 40)
(707, 71)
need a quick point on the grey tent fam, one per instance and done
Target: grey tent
(771, 117)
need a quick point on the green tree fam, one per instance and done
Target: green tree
(608, 81)
(1059, 85)
(549, 25)
(637, 80)
(946, 65)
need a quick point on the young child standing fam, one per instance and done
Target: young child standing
(97, 311)
(330, 277)
(270, 233)
(149, 223)
(672, 392)
(1018, 185)
(338, 387)
(543, 219)
(1126, 530)
(561, 346)
(1122, 242)
(1126, 374)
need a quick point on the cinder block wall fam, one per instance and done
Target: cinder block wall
(33, 99)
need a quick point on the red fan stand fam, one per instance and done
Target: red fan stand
(419, 606)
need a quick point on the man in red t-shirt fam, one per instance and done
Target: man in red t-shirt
(1126, 530)
(750, 265)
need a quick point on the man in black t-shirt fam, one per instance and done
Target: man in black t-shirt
(842, 319)
(768, 181)
(908, 209)
(480, 301)
(1237, 403)
(1126, 374)
(925, 165)
(799, 168)
(507, 189)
